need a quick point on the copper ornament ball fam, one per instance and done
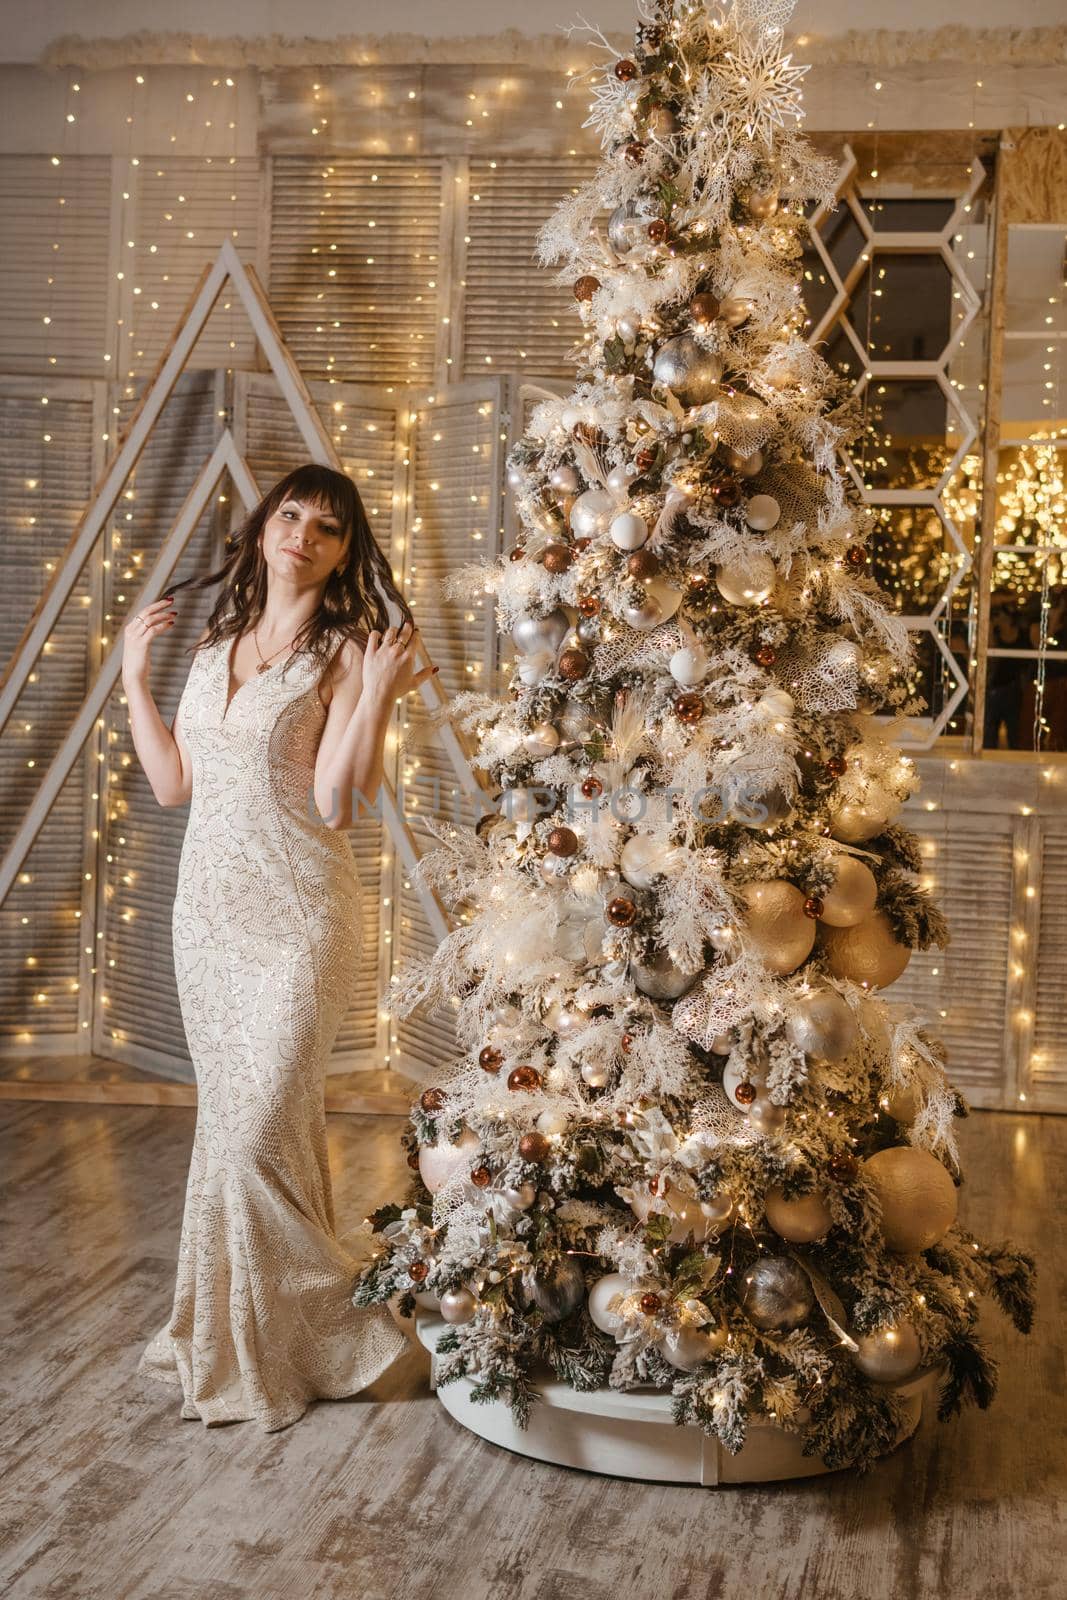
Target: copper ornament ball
(745, 1093)
(704, 307)
(621, 913)
(556, 558)
(626, 1043)
(591, 788)
(582, 544)
(432, 1099)
(837, 766)
(766, 655)
(813, 906)
(480, 1177)
(626, 70)
(418, 1270)
(563, 842)
(533, 1147)
(586, 286)
(697, 584)
(517, 553)
(642, 564)
(589, 605)
(634, 153)
(645, 457)
(856, 555)
(573, 665)
(725, 492)
(688, 708)
(524, 1077)
(657, 230)
(650, 1304)
(588, 433)
(490, 1059)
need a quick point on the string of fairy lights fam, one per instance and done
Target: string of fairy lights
(342, 280)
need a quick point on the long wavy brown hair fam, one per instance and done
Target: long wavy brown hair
(353, 601)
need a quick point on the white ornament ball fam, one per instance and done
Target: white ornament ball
(619, 479)
(745, 466)
(722, 1044)
(520, 1197)
(540, 740)
(688, 1348)
(441, 1161)
(550, 1122)
(628, 531)
(533, 635)
(689, 667)
(531, 669)
(903, 1104)
(890, 1354)
(867, 953)
(844, 655)
(918, 1197)
(659, 605)
(643, 858)
(822, 1024)
(748, 585)
(778, 930)
(762, 512)
(596, 1074)
(852, 895)
(592, 512)
(458, 1305)
(564, 480)
(857, 821)
(801, 1220)
(604, 1290)
(661, 978)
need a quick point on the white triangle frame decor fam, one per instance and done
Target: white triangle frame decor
(227, 268)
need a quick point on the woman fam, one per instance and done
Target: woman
(279, 732)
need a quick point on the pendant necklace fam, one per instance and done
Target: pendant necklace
(265, 662)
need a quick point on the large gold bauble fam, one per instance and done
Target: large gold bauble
(867, 953)
(777, 927)
(851, 896)
(918, 1197)
(801, 1220)
(890, 1354)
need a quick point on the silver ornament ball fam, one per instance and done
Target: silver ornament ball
(777, 1294)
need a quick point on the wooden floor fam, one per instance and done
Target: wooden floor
(108, 1495)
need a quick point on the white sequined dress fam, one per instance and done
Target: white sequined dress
(267, 942)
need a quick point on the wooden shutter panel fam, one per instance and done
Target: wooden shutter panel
(355, 260)
(515, 316)
(180, 212)
(456, 516)
(367, 447)
(140, 1021)
(55, 264)
(1048, 1059)
(963, 990)
(42, 486)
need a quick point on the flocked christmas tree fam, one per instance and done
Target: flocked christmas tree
(689, 1142)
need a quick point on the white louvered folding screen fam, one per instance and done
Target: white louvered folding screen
(1047, 1075)
(354, 265)
(55, 275)
(366, 434)
(456, 506)
(139, 1021)
(963, 990)
(515, 316)
(179, 213)
(43, 483)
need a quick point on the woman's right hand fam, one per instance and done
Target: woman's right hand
(144, 626)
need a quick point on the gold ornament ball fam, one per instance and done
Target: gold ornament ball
(918, 1197)
(801, 1220)
(852, 895)
(903, 1104)
(777, 927)
(867, 953)
(889, 1354)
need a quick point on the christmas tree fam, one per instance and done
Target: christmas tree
(690, 1144)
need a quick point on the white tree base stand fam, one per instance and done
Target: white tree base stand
(631, 1433)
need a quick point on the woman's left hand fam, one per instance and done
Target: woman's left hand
(389, 662)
